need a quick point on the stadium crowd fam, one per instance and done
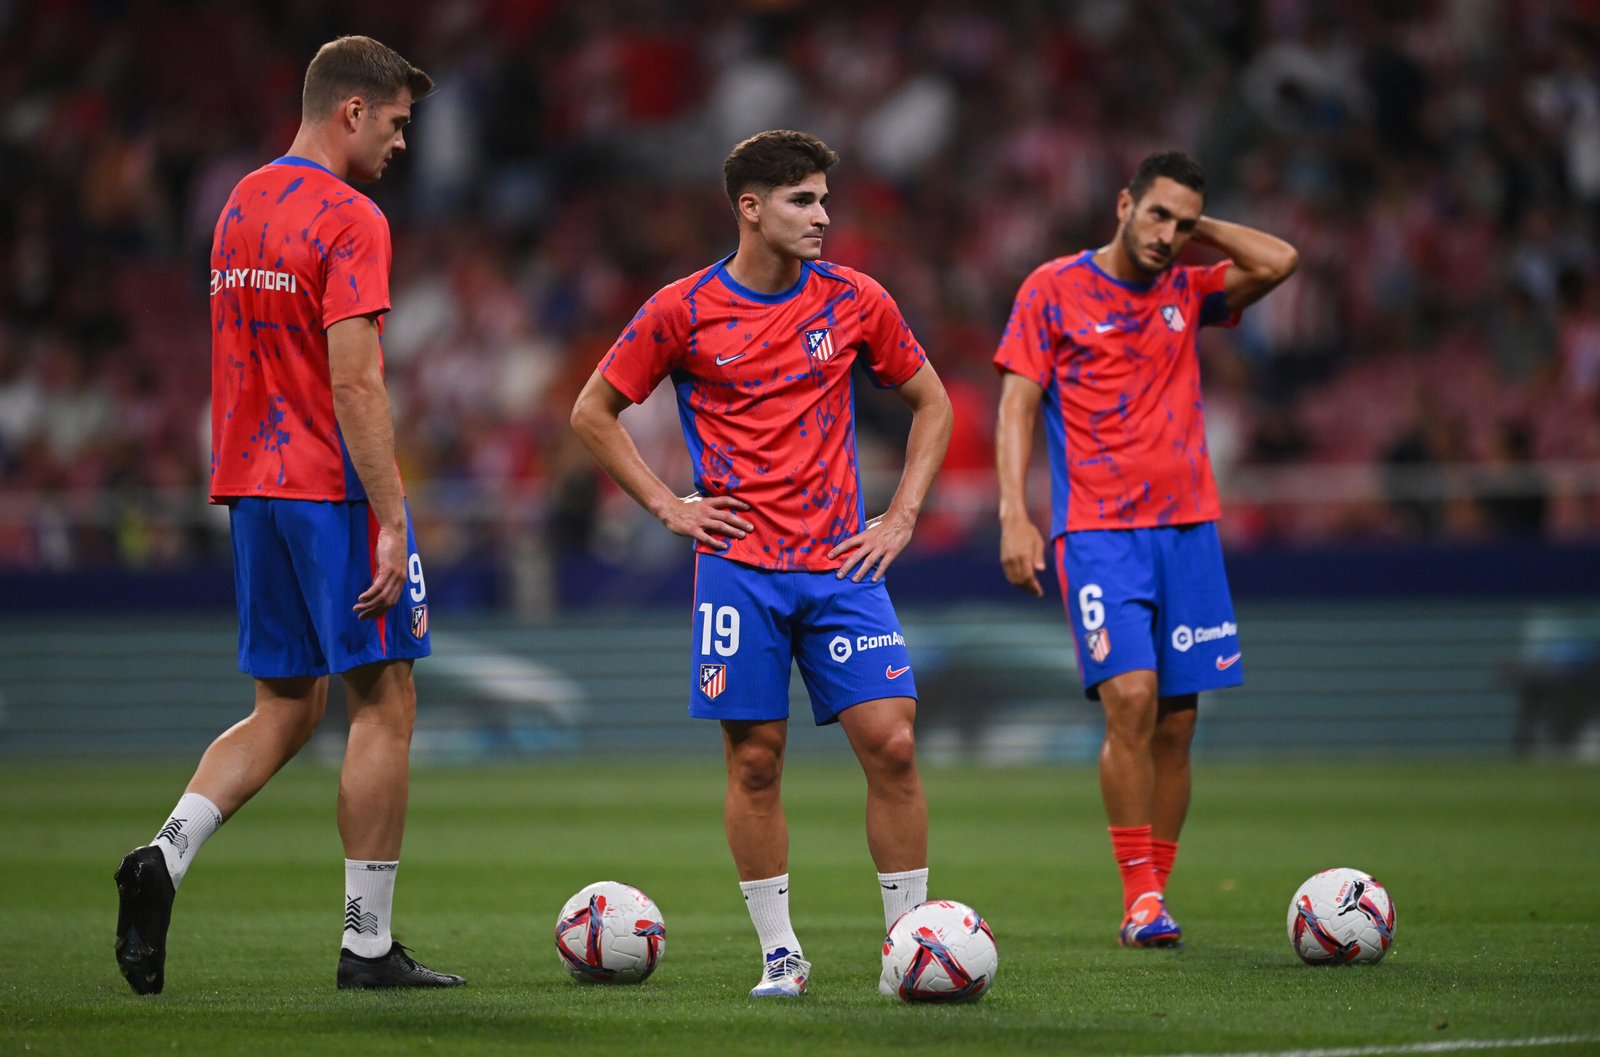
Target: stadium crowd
(1437, 162)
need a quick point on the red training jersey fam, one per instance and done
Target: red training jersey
(296, 250)
(766, 397)
(1123, 416)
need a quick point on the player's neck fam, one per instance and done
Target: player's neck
(1115, 262)
(762, 270)
(310, 145)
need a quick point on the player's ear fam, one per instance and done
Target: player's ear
(750, 207)
(350, 111)
(1124, 205)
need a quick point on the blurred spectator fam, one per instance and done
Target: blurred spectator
(1522, 336)
(1434, 442)
(1510, 488)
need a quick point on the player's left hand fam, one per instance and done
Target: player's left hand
(877, 545)
(388, 576)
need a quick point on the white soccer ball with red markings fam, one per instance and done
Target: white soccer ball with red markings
(610, 933)
(1341, 917)
(940, 951)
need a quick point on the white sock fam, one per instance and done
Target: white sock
(189, 826)
(368, 904)
(768, 903)
(901, 892)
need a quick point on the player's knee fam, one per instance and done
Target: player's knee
(1130, 729)
(896, 754)
(1174, 734)
(756, 769)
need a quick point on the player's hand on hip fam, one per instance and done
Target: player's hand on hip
(388, 577)
(874, 547)
(1022, 555)
(709, 519)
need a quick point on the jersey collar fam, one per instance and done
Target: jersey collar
(293, 159)
(752, 295)
(1088, 258)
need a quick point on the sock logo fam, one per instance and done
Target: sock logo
(356, 921)
(173, 834)
(892, 887)
(783, 891)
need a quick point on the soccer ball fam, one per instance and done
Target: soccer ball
(610, 933)
(1339, 917)
(939, 951)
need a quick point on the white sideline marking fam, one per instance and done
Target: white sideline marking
(1453, 1046)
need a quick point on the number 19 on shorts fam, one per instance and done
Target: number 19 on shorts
(719, 630)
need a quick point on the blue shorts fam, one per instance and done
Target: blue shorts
(1154, 599)
(298, 567)
(750, 624)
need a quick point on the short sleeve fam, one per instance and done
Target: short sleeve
(356, 282)
(892, 355)
(649, 348)
(1210, 290)
(1028, 346)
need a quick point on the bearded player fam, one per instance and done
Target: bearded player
(1105, 340)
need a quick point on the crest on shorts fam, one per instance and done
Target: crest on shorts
(419, 621)
(819, 344)
(1173, 317)
(1098, 643)
(713, 679)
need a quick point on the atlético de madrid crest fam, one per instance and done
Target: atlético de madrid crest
(819, 344)
(1173, 317)
(713, 679)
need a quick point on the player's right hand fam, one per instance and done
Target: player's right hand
(1022, 555)
(708, 519)
(388, 576)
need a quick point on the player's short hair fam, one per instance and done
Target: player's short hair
(776, 158)
(358, 66)
(1174, 165)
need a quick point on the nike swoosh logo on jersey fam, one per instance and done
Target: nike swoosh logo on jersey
(1104, 328)
(891, 672)
(723, 361)
(1224, 663)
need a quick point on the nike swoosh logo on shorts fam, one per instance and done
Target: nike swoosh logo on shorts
(1224, 663)
(723, 361)
(1104, 328)
(890, 672)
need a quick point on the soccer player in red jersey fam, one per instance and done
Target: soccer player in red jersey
(325, 561)
(1106, 340)
(760, 349)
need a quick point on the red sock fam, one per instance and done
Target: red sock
(1163, 853)
(1136, 861)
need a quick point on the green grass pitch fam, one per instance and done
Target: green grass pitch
(1493, 868)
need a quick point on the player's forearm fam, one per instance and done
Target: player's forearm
(1013, 448)
(926, 443)
(366, 422)
(1266, 257)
